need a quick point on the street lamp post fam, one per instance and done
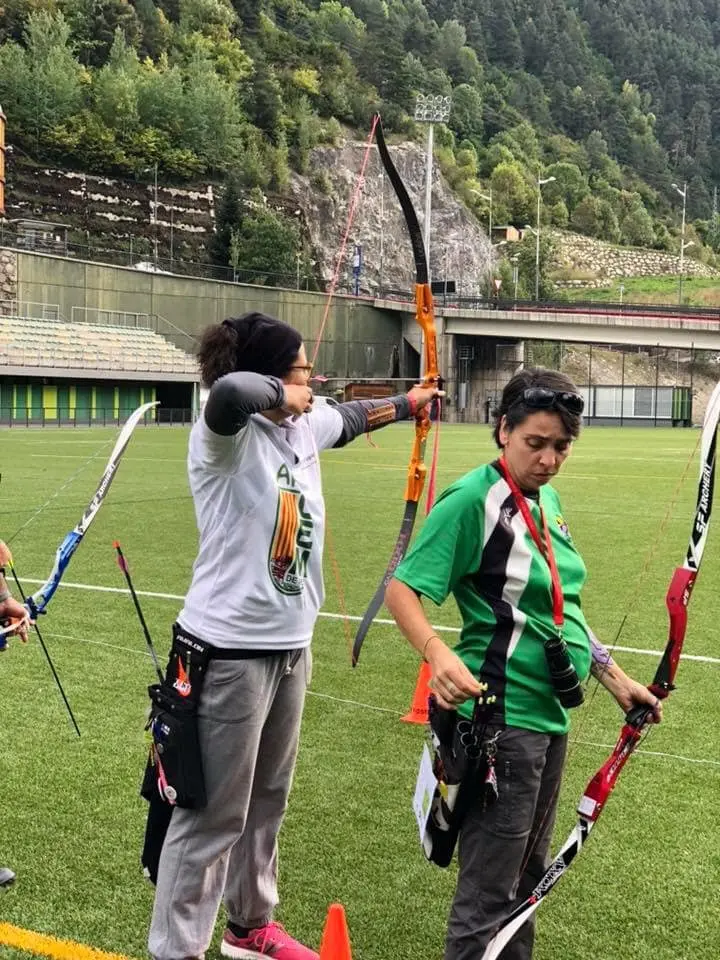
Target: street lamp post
(683, 245)
(430, 109)
(540, 182)
(155, 218)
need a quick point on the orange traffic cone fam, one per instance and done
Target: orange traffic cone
(335, 943)
(419, 709)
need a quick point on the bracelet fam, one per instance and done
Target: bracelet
(433, 636)
(412, 403)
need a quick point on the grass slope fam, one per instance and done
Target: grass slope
(696, 291)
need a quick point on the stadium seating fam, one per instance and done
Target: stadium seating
(32, 342)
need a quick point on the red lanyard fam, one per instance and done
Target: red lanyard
(545, 548)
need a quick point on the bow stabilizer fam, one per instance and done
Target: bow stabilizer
(425, 318)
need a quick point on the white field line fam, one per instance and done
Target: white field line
(78, 456)
(340, 616)
(377, 709)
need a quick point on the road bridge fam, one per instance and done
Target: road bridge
(482, 341)
(574, 322)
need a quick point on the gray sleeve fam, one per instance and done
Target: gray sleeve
(363, 416)
(236, 396)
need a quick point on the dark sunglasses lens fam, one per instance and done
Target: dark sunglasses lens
(539, 397)
(572, 402)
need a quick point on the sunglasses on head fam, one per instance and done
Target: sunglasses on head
(542, 398)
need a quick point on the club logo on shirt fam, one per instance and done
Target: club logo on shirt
(291, 544)
(506, 516)
(564, 529)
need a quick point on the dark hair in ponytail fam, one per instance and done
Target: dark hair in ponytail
(217, 353)
(255, 342)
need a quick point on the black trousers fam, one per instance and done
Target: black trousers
(504, 850)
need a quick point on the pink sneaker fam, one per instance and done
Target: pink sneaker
(272, 940)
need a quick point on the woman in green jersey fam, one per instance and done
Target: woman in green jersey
(497, 540)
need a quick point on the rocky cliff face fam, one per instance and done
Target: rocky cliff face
(459, 247)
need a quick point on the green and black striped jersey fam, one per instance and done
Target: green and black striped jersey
(476, 546)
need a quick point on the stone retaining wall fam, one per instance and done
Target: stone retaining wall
(601, 260)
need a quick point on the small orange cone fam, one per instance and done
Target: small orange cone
(419, 709)
(335, 943)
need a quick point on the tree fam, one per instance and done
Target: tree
(526, 256)
(466, 113)
(636, 226)
(15, 14)
(586, 217)
(41, 85)
(569, 185)
(512, 194)
(609, 228)
(94, 23)
(597, 150)
(559, 215)
(116, 88)
(161, 100)
(211, 116)
(266, 241)
(156, 31)
(227, 222)
(262, 99)
(713, 233)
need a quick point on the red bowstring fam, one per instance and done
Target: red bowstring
(432, 475)
(357, 193)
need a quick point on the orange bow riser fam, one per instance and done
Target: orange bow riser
(425, 317)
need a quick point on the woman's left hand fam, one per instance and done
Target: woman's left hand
(18, 616)
(423, 395)
(633, 694)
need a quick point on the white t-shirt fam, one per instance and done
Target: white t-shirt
(257, 581)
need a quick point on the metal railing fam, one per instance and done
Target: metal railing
(112, 318)
(99, 417)
(148, 264)
(30, 310)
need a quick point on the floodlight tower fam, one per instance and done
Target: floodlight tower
(430, 109)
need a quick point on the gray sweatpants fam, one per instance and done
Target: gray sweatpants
(503, 850)
(250, 713)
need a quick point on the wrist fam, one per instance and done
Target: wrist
(427, 647)
(4, 594)
(412, 403)
(613, 679)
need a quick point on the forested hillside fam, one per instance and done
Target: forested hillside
(616, 100)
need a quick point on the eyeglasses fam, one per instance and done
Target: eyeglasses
(306, 368)
(542, 398)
